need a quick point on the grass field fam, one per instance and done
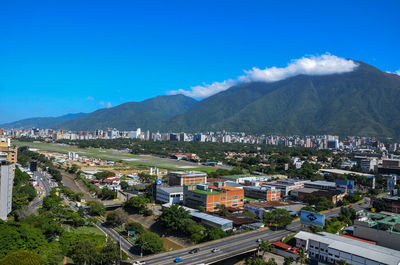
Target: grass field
(102, 153)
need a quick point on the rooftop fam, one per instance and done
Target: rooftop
(211, 218)
(175, 189)
(356, 247)
(206, 191)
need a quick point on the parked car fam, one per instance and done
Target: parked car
(195, 250)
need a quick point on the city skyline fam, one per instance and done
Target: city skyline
(56, 59)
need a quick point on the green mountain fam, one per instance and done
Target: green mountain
(365, 101)
(41, 122)
(147, 114)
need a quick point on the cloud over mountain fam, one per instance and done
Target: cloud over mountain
(308, 65)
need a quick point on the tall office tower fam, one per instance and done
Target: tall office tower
(6, 185)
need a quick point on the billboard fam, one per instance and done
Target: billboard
(310, 218)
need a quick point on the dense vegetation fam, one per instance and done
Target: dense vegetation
(341, 104)
(52, 234)
(23, 191)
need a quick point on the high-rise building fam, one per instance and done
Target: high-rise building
(6, 185)
(7, 152)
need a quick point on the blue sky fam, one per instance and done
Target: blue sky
(59, 57)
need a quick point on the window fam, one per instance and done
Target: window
(235, 197)
(234, 204)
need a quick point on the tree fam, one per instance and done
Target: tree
(107, 194)
(379, 204)
(271, 261)
(116, 218)
(104, 174)
(136, 204)
(133, 226)
(342, 262)
(124, 185)
(150, 243)
(288, 261)
(110, 253)
(173, 217)
(302, 256)
(96, 208)
(84, 252)
(255, 261)
(265, 246)
(21, 257)
(215, 233)
(277, 217)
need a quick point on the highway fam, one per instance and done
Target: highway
(44, 181)
(230, 246)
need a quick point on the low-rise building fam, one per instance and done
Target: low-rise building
(287, 185)
(172, 195)
(184, 178)
(332, 195)
(210, 197)
(265, 193)
(392, 203)
(331, 248)
(382, 228)
(259, 208)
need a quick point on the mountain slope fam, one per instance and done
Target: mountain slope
(41, 122)
(363, 102)
(147, 114)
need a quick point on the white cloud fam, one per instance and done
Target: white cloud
(89, 98)
(205, 90)
(309, 65)
(107, 105)
(395, 73)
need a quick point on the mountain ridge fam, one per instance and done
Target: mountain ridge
(365, 101)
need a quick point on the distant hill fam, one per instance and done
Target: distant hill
(147, 114)
(40, 122)
(365, 101)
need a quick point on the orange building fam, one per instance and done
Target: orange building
(210, 197)
(264, 193)
(185, 178)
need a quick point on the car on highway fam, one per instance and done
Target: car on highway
(195, 250)
(259, 240)
(178, 260)
(139, 263)
(215, 250)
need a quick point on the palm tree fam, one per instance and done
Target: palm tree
(265, 246)
(288, 261)
(302, 258)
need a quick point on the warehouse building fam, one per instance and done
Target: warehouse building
(329, 248)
